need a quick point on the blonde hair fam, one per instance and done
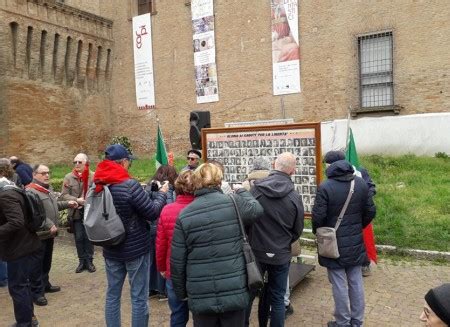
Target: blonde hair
(207, 175)
(183, 183)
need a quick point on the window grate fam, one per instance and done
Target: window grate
(375, 69)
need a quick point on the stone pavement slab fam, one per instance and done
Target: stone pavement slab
(394, 295)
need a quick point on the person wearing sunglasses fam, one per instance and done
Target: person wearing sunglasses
(75, 186)
(193, 159)
(40, 283)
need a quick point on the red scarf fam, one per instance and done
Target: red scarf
(109, 172)
(83, 177)
(38, 187)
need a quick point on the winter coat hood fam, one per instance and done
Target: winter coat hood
(340, 170)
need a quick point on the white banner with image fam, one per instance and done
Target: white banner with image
(143, 62)
(206, 83)
(285, 47)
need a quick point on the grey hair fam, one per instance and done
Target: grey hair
(285, 162)
(84, 156)
(261, 163)
(36, 167)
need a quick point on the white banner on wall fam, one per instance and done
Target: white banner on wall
(285, 47)
(206, 83)
(143, 62)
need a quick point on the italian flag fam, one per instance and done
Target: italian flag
(369, 238)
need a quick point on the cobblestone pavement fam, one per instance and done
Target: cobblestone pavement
(394, 295)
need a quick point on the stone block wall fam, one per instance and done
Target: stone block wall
(56, 72)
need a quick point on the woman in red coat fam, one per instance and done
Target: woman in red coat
(184, 196)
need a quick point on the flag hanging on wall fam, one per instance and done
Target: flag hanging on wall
(161, 153)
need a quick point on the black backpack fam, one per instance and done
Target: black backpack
(35, 219)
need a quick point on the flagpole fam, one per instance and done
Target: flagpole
(348, 127)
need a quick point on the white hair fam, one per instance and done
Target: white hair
(285, 162)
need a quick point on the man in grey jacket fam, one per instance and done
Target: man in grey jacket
(272, 235)
(40, 273)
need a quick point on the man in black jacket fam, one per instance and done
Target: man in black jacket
(272, 235)
(18, 246)
(344, 273)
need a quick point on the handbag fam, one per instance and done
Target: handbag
(295, 249)
(326, 236)
(254, 277)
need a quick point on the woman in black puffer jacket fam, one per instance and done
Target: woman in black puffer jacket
(344, 273)
(207, 262)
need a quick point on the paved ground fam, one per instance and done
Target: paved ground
(394, 295)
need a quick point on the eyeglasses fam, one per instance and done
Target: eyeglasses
(43, 173)
(77, 162)
(190, 158)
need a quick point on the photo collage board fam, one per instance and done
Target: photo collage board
(236, 149)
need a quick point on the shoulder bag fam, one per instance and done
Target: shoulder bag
(254, 277)
(326, 236)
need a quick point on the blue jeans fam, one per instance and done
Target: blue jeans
(179, 309)
(273, 294)
(348, 294)
(116, 272)
(19, 287)
(3, 274)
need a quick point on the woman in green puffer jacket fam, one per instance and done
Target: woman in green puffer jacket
(207, 262)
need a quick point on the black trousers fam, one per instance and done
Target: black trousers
(19, 287)
(85, 249)
(40, 270)
(227, 319)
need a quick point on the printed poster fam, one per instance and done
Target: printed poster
(285, 47)
(143, 62)
(237, 150)
(206, 84)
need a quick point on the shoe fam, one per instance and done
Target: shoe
(90, 266)
(152, 294)
(34, 322)
(162, 297)
(366, 271)
(41, 301)
(81, 267)
(289, 310)
(52, 289)
(335, 324)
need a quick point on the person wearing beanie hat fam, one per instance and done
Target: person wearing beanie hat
(369, 237)
(436, 311)
(332, 156)
(193, 159)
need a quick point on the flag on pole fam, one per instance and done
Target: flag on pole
(351, 155)
(161, 153)
(368, 235)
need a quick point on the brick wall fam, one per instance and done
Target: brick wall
(329, 63)
(328, 33)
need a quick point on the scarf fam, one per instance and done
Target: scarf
(83, 177)
(38, 187)
(109, 172)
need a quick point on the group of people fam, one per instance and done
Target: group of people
(183, 239)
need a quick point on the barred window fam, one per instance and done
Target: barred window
(375, 69)
(145, 6)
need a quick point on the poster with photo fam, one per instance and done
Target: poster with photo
(206, 83)
(236, 148)
(285, 47)
(143, 62)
